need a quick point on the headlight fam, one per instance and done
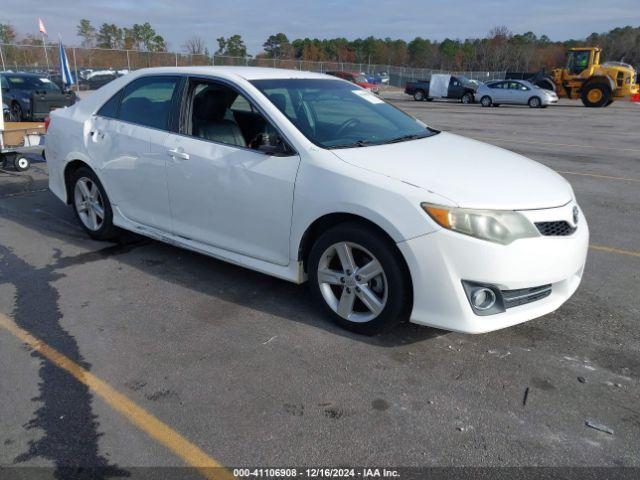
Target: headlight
(499, 226)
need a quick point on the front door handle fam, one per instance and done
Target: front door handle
(178, 153)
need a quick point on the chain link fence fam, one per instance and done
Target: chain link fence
(87, 63)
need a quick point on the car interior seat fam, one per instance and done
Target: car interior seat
(210, 119)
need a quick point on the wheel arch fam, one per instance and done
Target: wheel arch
(329, 220)
(325, 222)
(601, 79)
(69, 169)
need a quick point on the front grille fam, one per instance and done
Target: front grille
(555, 229)
(521, 296)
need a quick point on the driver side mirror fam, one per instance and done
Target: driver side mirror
(272, 145)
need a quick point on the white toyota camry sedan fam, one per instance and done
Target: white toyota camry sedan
(307, 177)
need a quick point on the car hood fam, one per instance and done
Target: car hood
(471, 174)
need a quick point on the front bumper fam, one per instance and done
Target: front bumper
(440, 261)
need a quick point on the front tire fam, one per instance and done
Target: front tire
(16, 112)
(486, 101)
(360, 279)
(92, 206)
(21, 163)
(418, 95)
(467, 98)
(535, 102)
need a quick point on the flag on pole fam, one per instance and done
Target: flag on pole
(65, 71)
(41, 27)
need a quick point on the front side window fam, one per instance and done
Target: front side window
(147, 101)
(3, 82)
(220, 114)
(334, 114)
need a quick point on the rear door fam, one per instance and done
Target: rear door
(498, 92)
(128, 136)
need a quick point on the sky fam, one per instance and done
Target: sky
(255, 20)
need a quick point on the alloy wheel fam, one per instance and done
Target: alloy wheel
(352, 282)
(89, 204)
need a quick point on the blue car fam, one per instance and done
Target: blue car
(32, 96)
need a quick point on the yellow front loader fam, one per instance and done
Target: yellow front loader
(596, 84)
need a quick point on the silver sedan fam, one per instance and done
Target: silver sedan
(514, 92)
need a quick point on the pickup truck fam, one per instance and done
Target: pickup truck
(442, 86)
(31, 97)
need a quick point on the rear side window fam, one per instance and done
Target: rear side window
(147, 101)
(110, 109)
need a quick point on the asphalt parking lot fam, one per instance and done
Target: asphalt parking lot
(242, 368)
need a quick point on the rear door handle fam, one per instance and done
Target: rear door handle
(178, 153)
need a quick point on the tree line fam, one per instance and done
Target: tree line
(500, 49)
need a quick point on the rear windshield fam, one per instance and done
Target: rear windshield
(336, 114)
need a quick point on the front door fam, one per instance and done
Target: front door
(224, 191)
(456, 90)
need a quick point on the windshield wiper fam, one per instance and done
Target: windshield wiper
(404, 138)
(359, 143)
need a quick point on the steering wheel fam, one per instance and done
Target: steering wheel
(352, 122)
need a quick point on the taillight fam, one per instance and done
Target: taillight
(47, 122)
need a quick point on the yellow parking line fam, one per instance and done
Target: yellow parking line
(608, 177)
(550, 144)
(603, 248)
(156, 429)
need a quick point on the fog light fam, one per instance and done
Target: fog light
(483, 298)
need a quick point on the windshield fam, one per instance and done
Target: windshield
(32, 83)
(359, 79)
(334, 114)
(578, 61)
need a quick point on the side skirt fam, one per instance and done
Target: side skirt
(294, 272)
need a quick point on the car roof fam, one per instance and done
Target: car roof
(247, 73)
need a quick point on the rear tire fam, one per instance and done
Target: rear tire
(92, 206)
(596, 95)
(367, 300)
(418, 95)
(486, 101)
